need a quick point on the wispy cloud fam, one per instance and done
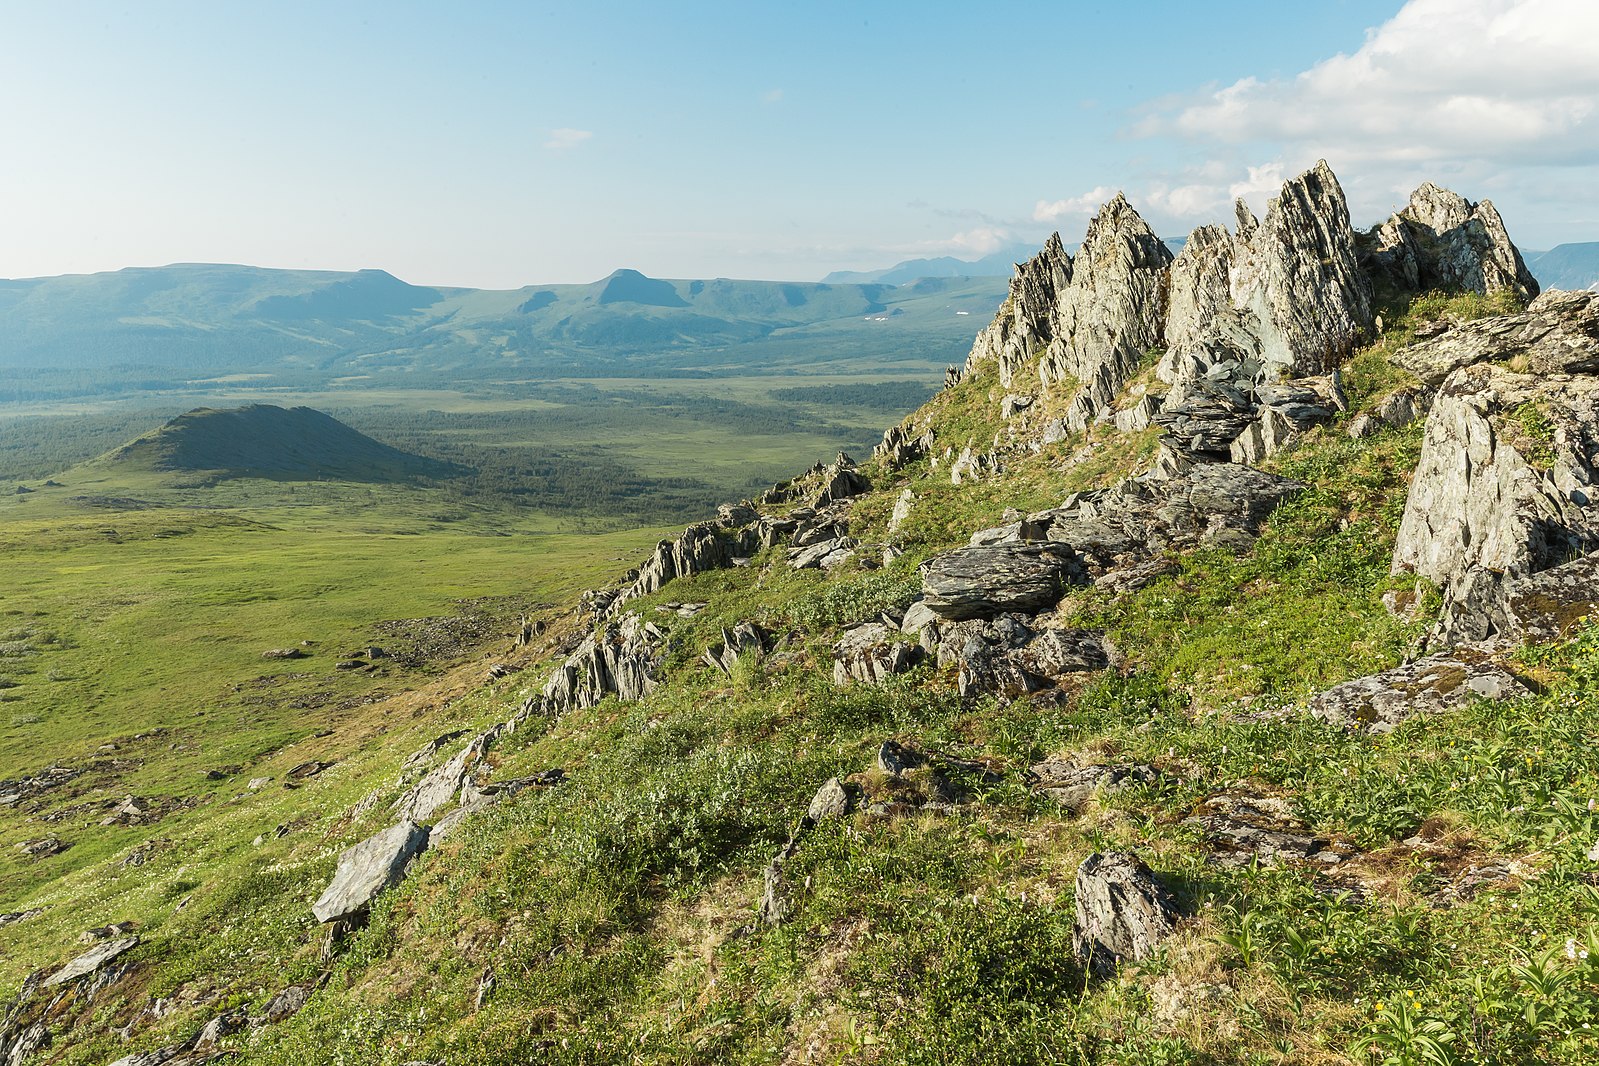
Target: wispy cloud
(1476, 92)
(771, 96)
(1072, 206)
(565, 138)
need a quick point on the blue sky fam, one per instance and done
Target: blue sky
(500, 144)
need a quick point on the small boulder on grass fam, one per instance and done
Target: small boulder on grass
(1123, 912)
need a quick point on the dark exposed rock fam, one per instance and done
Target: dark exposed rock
(91, 960)
(1379, 702)
(1494, 501)
(1123, 912)
(308, 769)
(984, 581)
(735, 515)
(1072, 786)
(1557, 334)
(105, 932)
(972, 466)
(901, 444)
(1243, 828)
(698, 549)
(840, 481)
(368, 868)
(896, 758)
(869, 654)
(286, 1004)
(43, 847)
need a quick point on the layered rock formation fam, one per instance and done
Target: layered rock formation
(1507, 487)
(1441, 240)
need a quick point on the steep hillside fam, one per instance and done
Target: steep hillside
(263, 441)
(1208, 674)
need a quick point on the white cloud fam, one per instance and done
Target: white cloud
(1443, 79)
(1478, 93)
(564, 138)
(1086, 204)
(771, 96)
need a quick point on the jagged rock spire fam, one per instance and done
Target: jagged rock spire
(1112, 311)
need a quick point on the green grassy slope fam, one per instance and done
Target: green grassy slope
(616, 910)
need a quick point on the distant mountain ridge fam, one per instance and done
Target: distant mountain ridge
(1001, 264)
(1567, 266)
(266, 441)
(160, 328)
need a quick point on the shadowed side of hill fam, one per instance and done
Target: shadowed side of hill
(284, 444)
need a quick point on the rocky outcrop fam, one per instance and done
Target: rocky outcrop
(1029, 318)
(744, 638)
(1210, 505)
(697, 549)
(367, 869)
(901, 444)
(869, 654)
(1445, 681)
(441, 786)
(1557, 334)
(840, 481)
(1243, 828)
(1123, 912)
(1298, 273)
(1547, 606)
(620, 660)
(1111, 312)
(1441, 240)
(983, 581)
(1507, 487)
(92, 960)
(1201, 289)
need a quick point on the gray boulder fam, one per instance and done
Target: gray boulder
(1123, 912)
(1506, 487)
(984, 581)
(832, 800)
(1207, 505)
(91, 961)
(1441, 682)
(368, 868)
